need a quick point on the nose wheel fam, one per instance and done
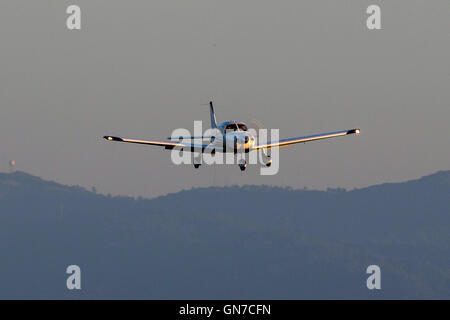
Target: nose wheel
(196, 166)
(243, 165)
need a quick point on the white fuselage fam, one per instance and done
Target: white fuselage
(234, 141)
(239, 140)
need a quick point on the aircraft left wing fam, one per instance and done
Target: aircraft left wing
(288, 142)
(189, 146)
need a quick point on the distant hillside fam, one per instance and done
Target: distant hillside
(234, 242)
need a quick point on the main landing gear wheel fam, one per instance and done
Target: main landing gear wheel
(196, 166)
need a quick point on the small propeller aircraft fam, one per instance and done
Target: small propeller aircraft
(231, 137)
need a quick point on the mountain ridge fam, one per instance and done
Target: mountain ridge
(440, 177)
(249, 242)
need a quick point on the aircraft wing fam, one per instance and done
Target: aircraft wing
(288, 142)
(188, 146)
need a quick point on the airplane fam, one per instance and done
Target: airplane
(231, 137)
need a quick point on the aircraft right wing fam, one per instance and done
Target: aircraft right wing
(288, 142)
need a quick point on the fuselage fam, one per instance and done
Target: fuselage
(234, 137)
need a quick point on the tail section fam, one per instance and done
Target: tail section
(213, 115)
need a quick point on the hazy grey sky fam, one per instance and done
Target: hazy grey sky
(143, 68)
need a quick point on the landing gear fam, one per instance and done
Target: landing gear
(243, 165)
(197, 160)
(267, 160)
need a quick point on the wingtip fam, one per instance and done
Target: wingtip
(354, 131)
(111, 138)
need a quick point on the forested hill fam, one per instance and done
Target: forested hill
(249, 242)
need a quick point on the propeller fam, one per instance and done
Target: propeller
(256, 125)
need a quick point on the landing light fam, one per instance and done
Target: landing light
(110, 138)
(357, 131)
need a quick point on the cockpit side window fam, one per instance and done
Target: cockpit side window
(242, 127)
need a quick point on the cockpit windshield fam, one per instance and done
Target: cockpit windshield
(235, 127)
(231, 127)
